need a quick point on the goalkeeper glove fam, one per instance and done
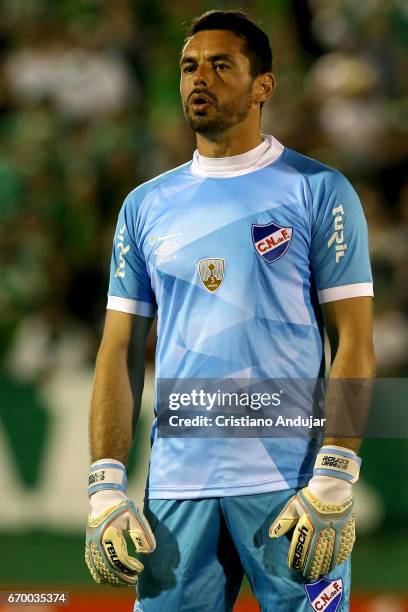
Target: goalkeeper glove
(112, 513)
(322, 514)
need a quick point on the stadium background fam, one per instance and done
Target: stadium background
(89, 108)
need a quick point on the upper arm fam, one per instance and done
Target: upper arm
(339, 253)
(131, 302)
(123, 330)
(130, 289)
(123, 348)
(349, 322)
(349, 325)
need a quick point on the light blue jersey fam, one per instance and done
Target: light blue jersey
(234, 255)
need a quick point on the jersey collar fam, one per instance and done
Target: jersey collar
(225, 167)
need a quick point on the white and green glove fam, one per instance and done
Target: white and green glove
(322, 514)
(112, 513)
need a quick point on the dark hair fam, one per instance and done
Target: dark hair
(257, 45)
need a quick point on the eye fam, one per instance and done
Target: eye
(188, 68)
(220, 66)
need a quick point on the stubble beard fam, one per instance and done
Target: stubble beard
(219, 117)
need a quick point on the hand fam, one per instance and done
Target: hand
(322, 515)
(112, 513)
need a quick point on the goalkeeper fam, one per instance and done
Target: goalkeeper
(242, 253)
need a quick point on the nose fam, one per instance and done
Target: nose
(201, 76)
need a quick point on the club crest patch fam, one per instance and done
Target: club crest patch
(325, 595)
(271, 241)
(211, 273)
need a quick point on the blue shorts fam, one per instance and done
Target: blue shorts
(205, 546)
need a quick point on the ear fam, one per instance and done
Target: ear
(264, 86)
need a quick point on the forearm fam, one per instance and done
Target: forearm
(347, 406)
(111, 406)
(111, 511)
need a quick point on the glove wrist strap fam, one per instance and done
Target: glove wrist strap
(107, 474)
(338, 462)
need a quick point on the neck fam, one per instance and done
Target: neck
(260, 156)
(233, 141)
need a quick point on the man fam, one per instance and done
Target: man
(236, 251)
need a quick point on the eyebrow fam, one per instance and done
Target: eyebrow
(212, 58)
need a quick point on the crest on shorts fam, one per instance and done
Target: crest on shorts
(271, 241)
(211, 273)
(325, 595)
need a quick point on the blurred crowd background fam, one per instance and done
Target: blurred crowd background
(89, 108)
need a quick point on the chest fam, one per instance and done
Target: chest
(242, 233)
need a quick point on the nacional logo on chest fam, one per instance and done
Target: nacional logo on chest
(325, 595)
(271, 241)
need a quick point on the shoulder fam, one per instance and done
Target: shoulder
(149, 189)
(320, 177)
(139, 202)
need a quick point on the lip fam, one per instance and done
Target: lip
(199, 102)
(200, 107)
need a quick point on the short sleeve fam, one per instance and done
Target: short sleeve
(129, 284)
(339, 242)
